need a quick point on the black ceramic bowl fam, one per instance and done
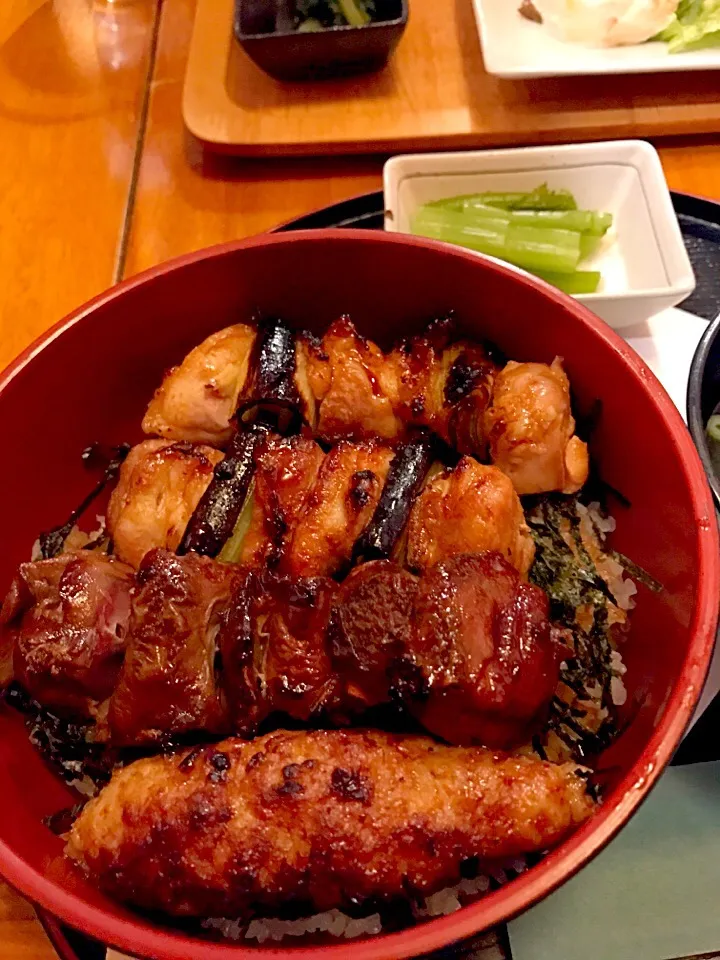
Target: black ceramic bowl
(703, 396)
(264, 28)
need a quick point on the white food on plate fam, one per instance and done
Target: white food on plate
(605, 23)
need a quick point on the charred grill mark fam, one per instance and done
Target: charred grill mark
(351, 785)
(462, 378)
(220, 761)
(289, 788)
(205, 811)
(361, 488)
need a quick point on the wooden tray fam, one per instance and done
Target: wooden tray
(434, 94)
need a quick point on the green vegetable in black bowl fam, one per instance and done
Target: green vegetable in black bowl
(320, 14)
(319, 39)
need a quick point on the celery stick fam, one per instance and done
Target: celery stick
(485, 236)
(530, 247)
(582, 221)
(539, 199)
(582, 281)
(542, 249)
(588, 245)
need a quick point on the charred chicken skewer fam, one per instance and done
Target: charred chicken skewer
(321, 818)
(308, 513)
(345, 387)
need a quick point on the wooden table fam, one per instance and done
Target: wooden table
(98, 180)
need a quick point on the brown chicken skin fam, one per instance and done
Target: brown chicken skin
(168, 684)
(370, 631)
(484, 660)
(355, 388)
(469, 509)
(443, 385)
(520, 416)
(286, 469)
(159, 486)
(531, 429)
(212, 647)
(273, 649)
(64, 628)
(198, 398)
(322, 818)
(337, 509)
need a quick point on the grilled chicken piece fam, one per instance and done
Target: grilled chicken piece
(63, 629)
(286, 468)
(274, 649)
(469, 509)
(168, 683)
(356, 388)
(159, 486)
(370, 631)
(338, 508)
(197, 399)
(530, 428)
(323, 818)
(444, 386)
(485, 665)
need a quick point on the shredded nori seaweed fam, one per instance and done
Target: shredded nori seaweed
(569, 577)
(65, 744)
(327, 13)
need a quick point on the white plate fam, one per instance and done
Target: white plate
(643, 261)
(513, 47)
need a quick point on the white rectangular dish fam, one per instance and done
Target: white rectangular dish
(643, 261)
(515, 48)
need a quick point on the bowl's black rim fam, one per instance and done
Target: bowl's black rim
(366, 211)
(696, 421)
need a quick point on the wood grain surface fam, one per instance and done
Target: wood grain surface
(72, 80)
(434, 93)
(72, 77)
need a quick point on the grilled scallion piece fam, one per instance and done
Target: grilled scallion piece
(271, 391)
(216, 515)
(405, 478)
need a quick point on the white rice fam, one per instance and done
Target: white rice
(338, 924)
(332, 922)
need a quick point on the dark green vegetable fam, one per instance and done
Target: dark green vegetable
(321, 14)
(571, 581)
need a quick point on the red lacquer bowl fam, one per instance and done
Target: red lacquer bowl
(91, 377)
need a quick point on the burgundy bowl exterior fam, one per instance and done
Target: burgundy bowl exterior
(91, 377)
